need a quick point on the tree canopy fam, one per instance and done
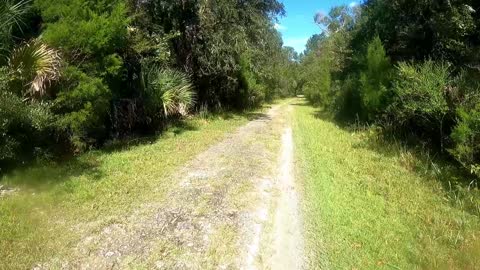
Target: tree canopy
(407, 66)
(106, 69)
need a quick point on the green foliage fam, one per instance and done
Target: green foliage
(420, 96)
(374, 79)
(12, 13)
(253, 92)
(339, 18)
(317, 88)
(466, 135)
(208, 44)
(167, 92)
(14, 116)
(317, 75)
(23, 126)
(92, 36)
(86, 27)
(348, 103)
(314, 42)
(34, 66)
(322, 66)
(82, 107)
(103, 45)
(425, 29)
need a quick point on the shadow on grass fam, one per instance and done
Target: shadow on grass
(252, 116)
(45, 174)
(175, 128)
(322, 114)
(301, 104)
(459, 186)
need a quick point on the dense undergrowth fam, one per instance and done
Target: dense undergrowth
(404, 67)
(77, 74)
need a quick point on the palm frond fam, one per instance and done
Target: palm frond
(168, 90)
(178, 100)
(36, 66)
(12, 13)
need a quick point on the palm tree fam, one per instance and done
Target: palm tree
(11, 14)
(35, 66)
(168, 92)
(32, 63)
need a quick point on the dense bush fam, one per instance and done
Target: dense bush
(24, 127)
(252, 93)
(466, 133)
(81, 72)
(82, 108)
(348, 104)
(208, 47)
(167, 92)
(419, 98)
(409, 66)
(466, 137)
(374, 79)
(92, 28)
(317, 86)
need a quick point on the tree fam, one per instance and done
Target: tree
(375, 78)
(314, 42)
(34, 66)
(213, 36)
(425, 29)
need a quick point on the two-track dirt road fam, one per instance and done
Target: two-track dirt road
(236, 207)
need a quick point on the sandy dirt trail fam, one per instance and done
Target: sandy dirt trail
(235, 207)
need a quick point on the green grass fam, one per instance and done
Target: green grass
(374, 206)
(58, 203)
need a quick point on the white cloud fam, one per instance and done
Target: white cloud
(353, 4)
(279, 27)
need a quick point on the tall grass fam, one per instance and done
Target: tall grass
(371, 203)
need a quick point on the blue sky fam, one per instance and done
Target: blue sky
(297, 26)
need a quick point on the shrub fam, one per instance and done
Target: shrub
(34, 66)
(466, 133)
(82, 107)
(93, 36)
(348, 102)
(167, 92)
(252, 92)
(86, 27)
(466, 136)
(419, 98)
(374, 79)
(317, 88)
(24, 127)
(12, 14)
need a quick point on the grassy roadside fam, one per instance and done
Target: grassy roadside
(42, 219)
(367, 208)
